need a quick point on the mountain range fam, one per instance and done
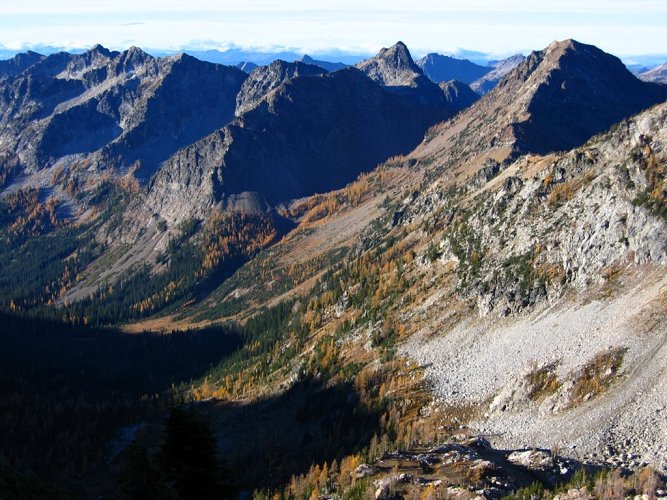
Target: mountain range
(399, 277)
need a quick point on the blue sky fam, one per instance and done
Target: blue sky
(499, 27)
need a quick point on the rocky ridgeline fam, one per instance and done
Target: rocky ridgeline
(553, 101)
(114, 110)
(657, 74)
(569, 223)
(264, 79)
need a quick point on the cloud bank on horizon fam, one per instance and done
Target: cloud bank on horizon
(623, 27)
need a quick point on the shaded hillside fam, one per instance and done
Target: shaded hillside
(293, 143)
(18, 63)
(458, 95)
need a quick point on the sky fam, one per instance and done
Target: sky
(498, 27)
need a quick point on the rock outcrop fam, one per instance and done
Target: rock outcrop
(264, 79)
(125, 109)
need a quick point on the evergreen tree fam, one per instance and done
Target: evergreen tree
(190, 458)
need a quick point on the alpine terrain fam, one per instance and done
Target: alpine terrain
(305, 279)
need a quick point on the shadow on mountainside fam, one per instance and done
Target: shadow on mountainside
(67, 389)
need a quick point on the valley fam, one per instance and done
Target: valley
(346, 282)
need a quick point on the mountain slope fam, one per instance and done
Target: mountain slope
(458, 95)
(264, 79)
(570, 250)
(296, 143)
(555, 100)
(441, 68)
(657, 74)
(19, 63)
(125, 107)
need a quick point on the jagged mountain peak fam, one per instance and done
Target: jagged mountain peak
(555, 100)
(264, 79)
(398, 55)
(134, 56)
(392, 67)
(102, 50)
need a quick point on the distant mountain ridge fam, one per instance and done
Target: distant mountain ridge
(440, 68)
(486, 82)
(328, 65)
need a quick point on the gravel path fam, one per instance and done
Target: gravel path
(481, 358)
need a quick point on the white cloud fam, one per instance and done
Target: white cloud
(499, 26)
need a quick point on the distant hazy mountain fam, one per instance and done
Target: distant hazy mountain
(441, 68)
(246, 66)
(329, 66)
(500, 68)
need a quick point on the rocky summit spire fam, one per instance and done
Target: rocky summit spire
(391, 67)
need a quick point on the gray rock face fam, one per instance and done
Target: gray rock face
(117, 109)
(264, 79)
(458, 95)
(394, 69)
(583, 214)
(441, 68)
(292, 143)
